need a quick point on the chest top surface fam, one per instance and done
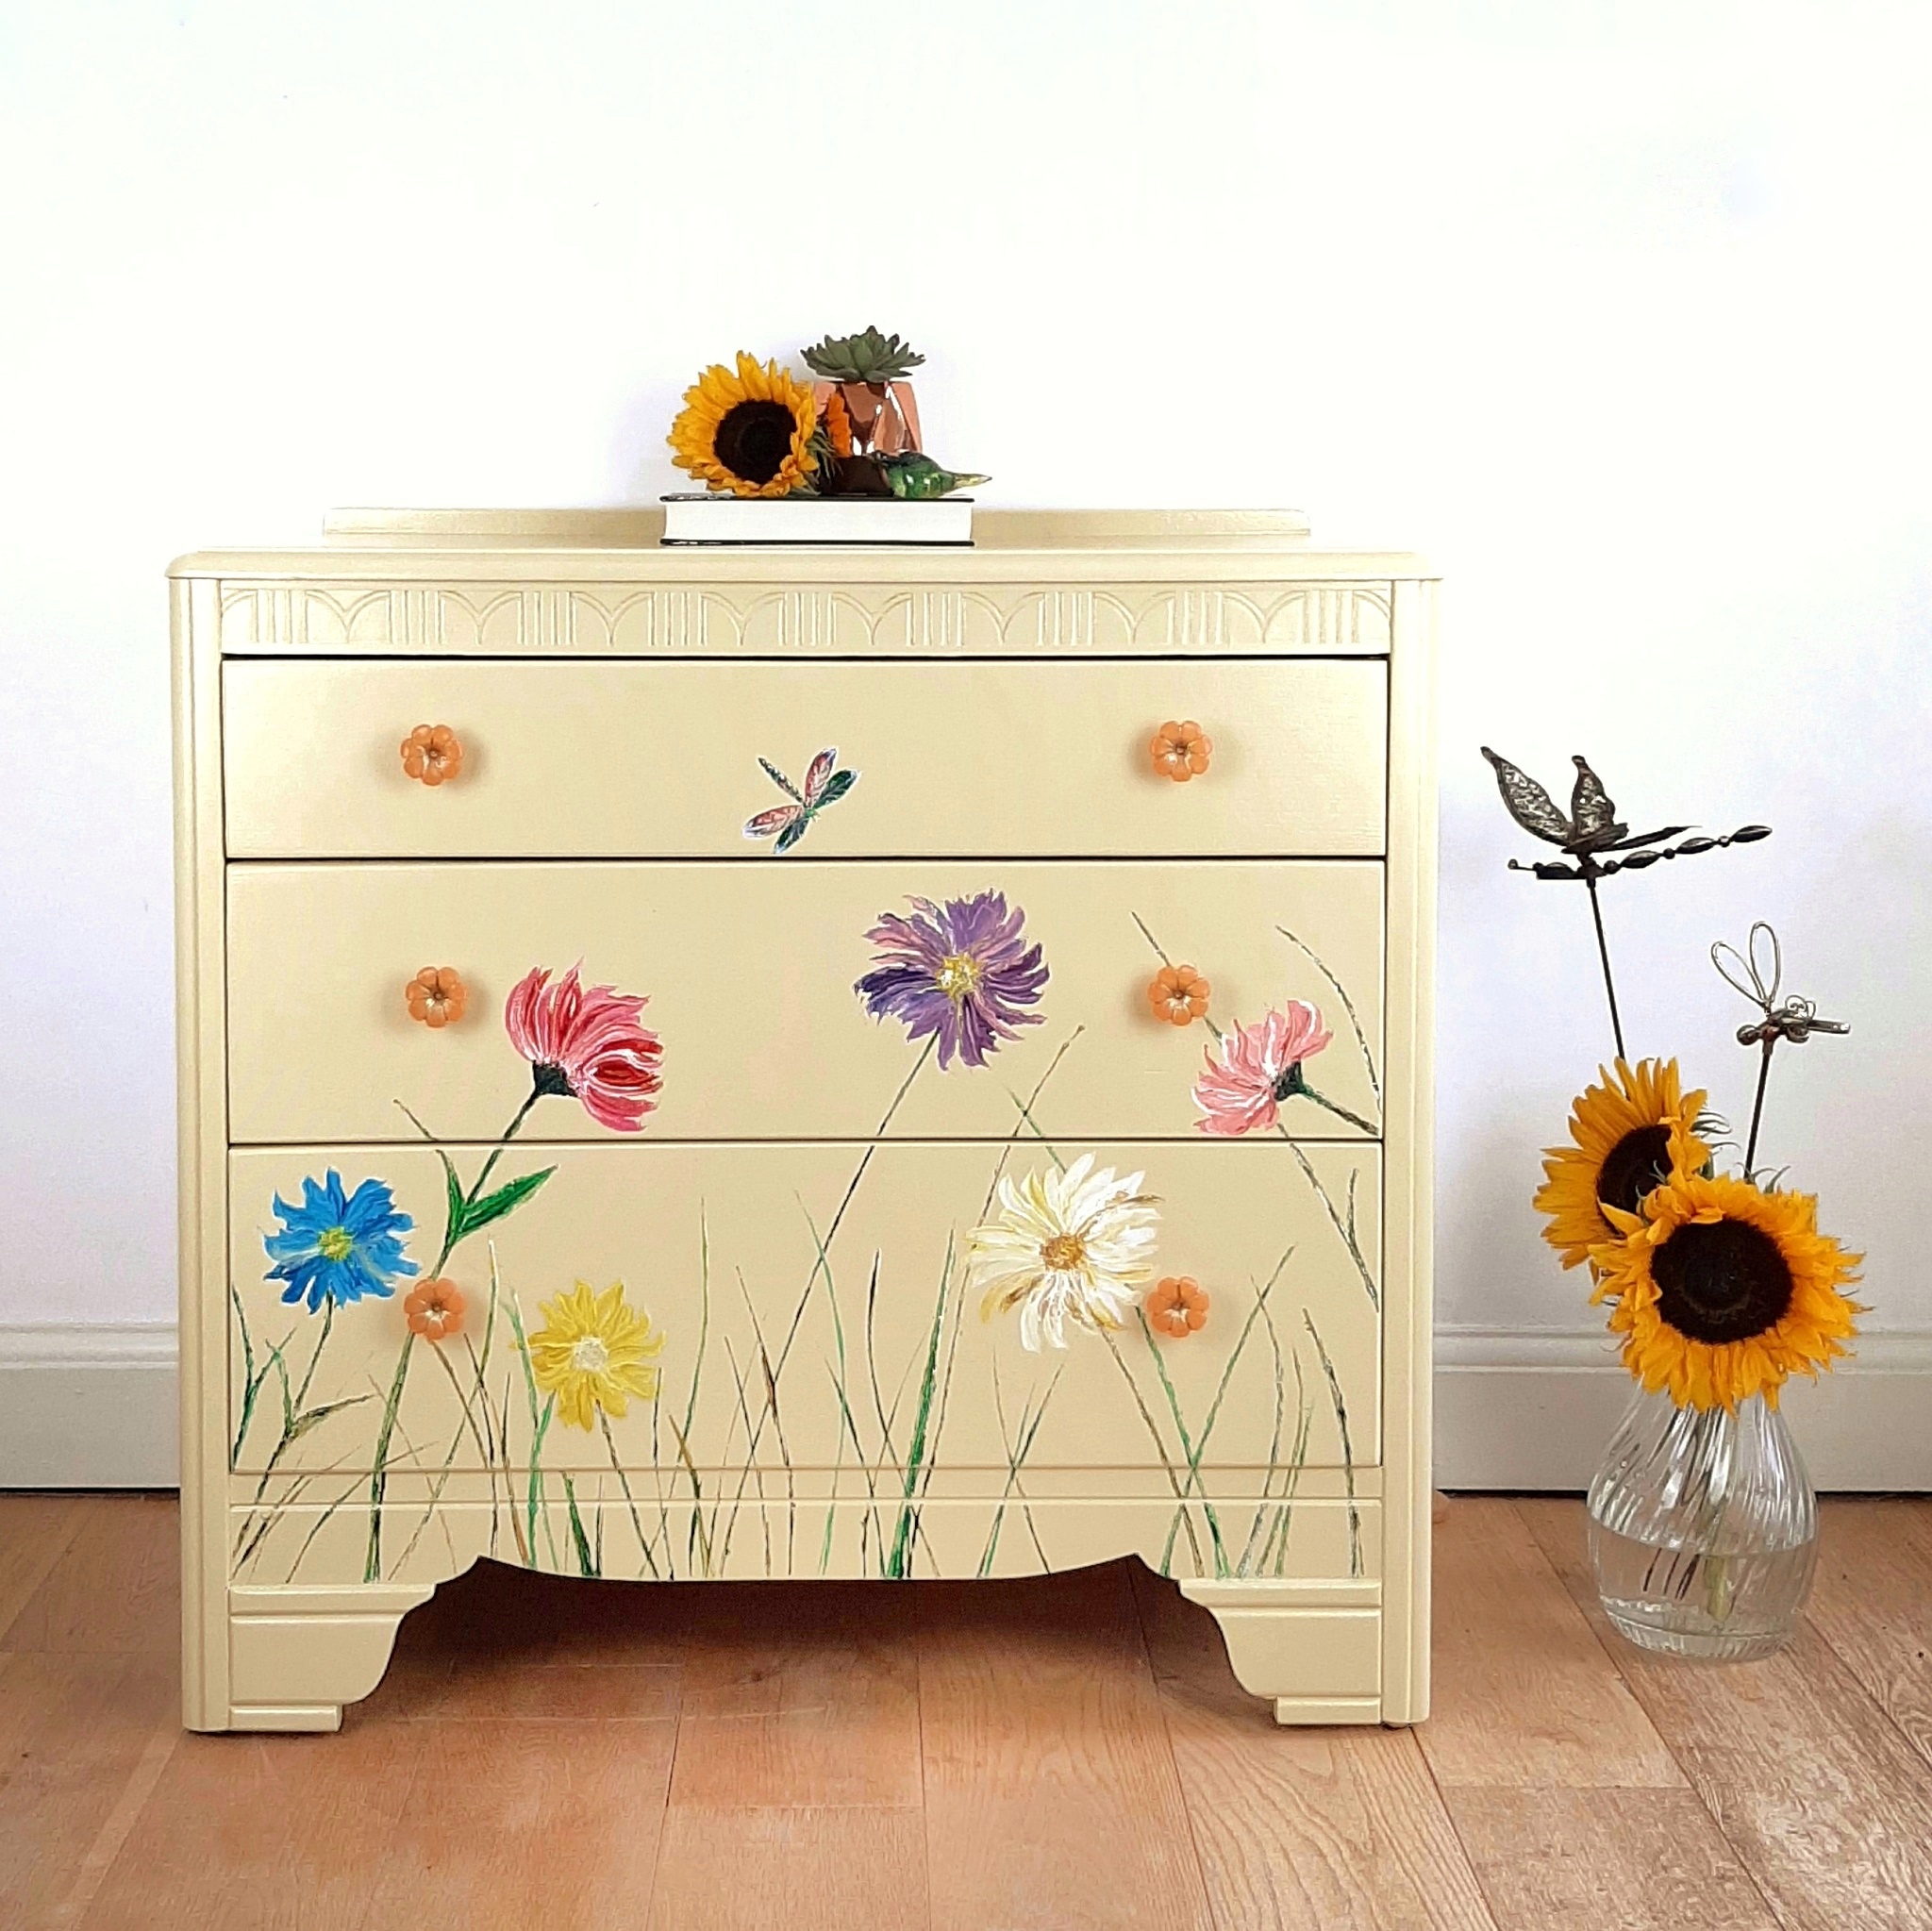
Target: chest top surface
(537, 583)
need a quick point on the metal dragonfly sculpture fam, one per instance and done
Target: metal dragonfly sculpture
(1596, 843)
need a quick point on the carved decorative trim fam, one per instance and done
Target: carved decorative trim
(1155, 619)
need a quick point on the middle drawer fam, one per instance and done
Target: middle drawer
(751, 975)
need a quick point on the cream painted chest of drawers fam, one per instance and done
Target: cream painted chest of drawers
(617, 1140)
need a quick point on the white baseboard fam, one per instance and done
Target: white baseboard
(89, 1406)
(94, 1407)
(1532, 1408)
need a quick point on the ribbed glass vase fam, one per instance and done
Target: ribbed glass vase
(1704, 1529)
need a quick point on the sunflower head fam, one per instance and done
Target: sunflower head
(1721, 1289)
(749, 433)
(1620, 1148)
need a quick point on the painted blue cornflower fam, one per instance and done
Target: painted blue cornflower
(337, 1246)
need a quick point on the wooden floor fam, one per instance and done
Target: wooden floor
(976, 1756)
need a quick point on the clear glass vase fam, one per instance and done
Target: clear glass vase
(1704, 1529)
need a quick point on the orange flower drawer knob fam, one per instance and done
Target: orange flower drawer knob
(432, 754)
(437, 996)
(1181, 750)
(1178, 995)
(1178, 1307)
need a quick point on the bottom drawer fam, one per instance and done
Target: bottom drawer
(679, 1360)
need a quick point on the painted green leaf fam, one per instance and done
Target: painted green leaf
(493, 1207)
(313, 1417)
(453, 1209)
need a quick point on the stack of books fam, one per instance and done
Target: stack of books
(705, 517)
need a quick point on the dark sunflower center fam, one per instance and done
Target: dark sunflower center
(754, 439)
(1638, 1163)
(1724, 1282)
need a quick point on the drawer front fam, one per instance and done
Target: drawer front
(750, 974)
(765, 1362)
(646, 760)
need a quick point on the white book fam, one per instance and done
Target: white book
(704, 518)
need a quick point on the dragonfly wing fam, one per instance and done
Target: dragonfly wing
(1531, 806)
(794, 832)
(778, 778)
(780, 817)
(815, 777)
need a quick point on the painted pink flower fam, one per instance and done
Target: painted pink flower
(585, 1043)
(1260, 1067)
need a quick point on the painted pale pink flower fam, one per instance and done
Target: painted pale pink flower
(1259, 1066)
(585, 1043)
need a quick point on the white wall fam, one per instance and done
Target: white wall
(1618, 310)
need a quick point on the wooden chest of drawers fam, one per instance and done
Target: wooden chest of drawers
(573, 1177)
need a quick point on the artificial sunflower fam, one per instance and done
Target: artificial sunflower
(748, 433)
(1620, 1148)
(1723, 1289)
(593, 1353)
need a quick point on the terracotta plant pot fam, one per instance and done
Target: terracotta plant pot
(884, 415)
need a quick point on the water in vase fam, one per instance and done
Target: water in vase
(1703, 1530)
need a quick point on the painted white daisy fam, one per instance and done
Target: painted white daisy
(1074, 1245)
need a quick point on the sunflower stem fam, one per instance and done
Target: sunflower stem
(1758, 1107)
(1603, 950)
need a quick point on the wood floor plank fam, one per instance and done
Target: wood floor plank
(1823, 1801)
(1300, 1830)
(1052, 1799)
(854, 1868)
(35, 1531)
(1524, 1696)
(116, 1587)
(265, 1833)
(804, 1696)
(1604, 1860)
(502, 1643)
(1873, 1603)
(74, 1733)
(515, 1824)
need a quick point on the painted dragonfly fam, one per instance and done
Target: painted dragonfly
(787, 824)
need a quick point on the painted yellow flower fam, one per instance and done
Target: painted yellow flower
(1065, 1246)
(594, 1352)
(748, 433)
(1721, 1290)
(1620, 1148)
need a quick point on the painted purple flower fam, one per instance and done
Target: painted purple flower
(963, 970)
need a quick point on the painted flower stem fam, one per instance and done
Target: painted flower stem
(372, 1566)
(629, 1499)
(1354, 1516)
(452, 1234)
(1120, 1362)
(496, 1153)
(1341, 1112)
(1344, 1228)
(821, 1261)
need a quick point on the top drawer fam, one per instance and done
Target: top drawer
(576, 759)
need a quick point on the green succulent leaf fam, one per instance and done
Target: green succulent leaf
(868, 356)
